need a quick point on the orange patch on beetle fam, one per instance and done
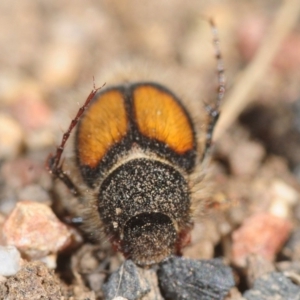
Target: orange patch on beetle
(104, 124)
(159, 116)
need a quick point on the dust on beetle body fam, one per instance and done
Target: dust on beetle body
(136, 146)
(138, 151)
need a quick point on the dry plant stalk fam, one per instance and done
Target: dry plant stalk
(245, 87)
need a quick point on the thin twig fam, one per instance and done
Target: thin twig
(246, 86)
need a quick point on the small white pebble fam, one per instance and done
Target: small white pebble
(283, 190)
(284, 198)
(120, 298)
(49, 261)
(10, 260)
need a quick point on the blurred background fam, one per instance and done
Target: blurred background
(50, 52)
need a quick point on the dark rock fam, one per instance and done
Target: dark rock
(182, 278)
(271, 286)
(126, 282)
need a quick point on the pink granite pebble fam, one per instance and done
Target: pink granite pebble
(35, 230)
(262, 234)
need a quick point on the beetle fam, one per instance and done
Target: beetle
(138, 155)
